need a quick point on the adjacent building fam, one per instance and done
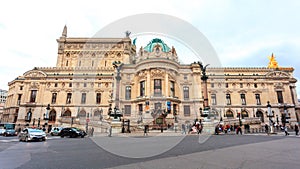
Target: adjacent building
(3, 96)
(95, 75)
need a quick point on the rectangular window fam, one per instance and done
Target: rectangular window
(53, 100)
(186, 110)
(69, 96)
(55, 84)
(213, 99)
(241, 85)
(70, 84)
(127, 110)
(33, 95)
(185, 77)
(172, 89)
(255, 85)
(279, 97)
(128, 93)
(21, 87)
(19, 99)
(84, 84)
(83, 98)
(157, 87)
(226, 85)
(228, 99)
(142, 88)
(243, 99)
(98, 98)
(140, 109)
(186, 92)
(212, 85)
(257, 98)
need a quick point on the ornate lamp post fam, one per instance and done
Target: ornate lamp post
(270, 115)
(117, 65)
(46, 115)
(204, 77)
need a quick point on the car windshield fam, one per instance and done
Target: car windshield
(35, 130)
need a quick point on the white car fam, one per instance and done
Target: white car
(29, 134)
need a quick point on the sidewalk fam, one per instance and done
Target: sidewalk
(141, 134)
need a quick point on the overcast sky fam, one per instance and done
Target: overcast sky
(243, 33)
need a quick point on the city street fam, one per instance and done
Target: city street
(222, 151)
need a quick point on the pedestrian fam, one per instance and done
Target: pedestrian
(92, 131)
(145, 130)
(286, 131)
(189, 128)
(267, 129)
(109, 131)
(183, 129)
(296, 129)
(217, 129)
(239, 130)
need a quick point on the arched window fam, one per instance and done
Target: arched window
(229, 114)
(260, 115)
(67, 113)
(82, 113)
(52, 116)
(244, 114)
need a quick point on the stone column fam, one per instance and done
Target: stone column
(166, 85)
(148, 83)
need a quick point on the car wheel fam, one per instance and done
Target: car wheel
(52, 134)
(43, 139)
(82, 136)
(5, 135)
(26, 139)
(62, 136)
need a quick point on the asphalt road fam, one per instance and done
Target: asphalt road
(84, 153)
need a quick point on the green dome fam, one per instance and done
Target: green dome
(154, 42)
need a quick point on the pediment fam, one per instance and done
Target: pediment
(277, 74)
(35, 74)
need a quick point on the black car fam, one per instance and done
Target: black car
(72, 132)
(10, 132)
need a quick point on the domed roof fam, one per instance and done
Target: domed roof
(154, 42)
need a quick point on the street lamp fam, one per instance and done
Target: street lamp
(117, 65)
(46, 115)
(270, 115)
(285, 115)
(239, 114)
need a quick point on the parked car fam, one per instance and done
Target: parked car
(55, 131)
(2, 130)
(9, 132)
(29, 134)
(72, 132)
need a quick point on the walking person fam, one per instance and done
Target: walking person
(183, 129)
(238, 130)
(286, 131)
(146, 127)
(92, 131)
(109, 131)
(296, 129)
(267, 129)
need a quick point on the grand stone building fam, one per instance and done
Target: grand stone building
(94, 75)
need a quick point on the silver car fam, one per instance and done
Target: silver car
(29, 134)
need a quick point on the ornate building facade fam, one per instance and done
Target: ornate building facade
(94, 75)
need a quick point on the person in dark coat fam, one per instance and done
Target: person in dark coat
(146, 127)
(296, 129)
(267, 129)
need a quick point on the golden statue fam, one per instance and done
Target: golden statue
(272, 63)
